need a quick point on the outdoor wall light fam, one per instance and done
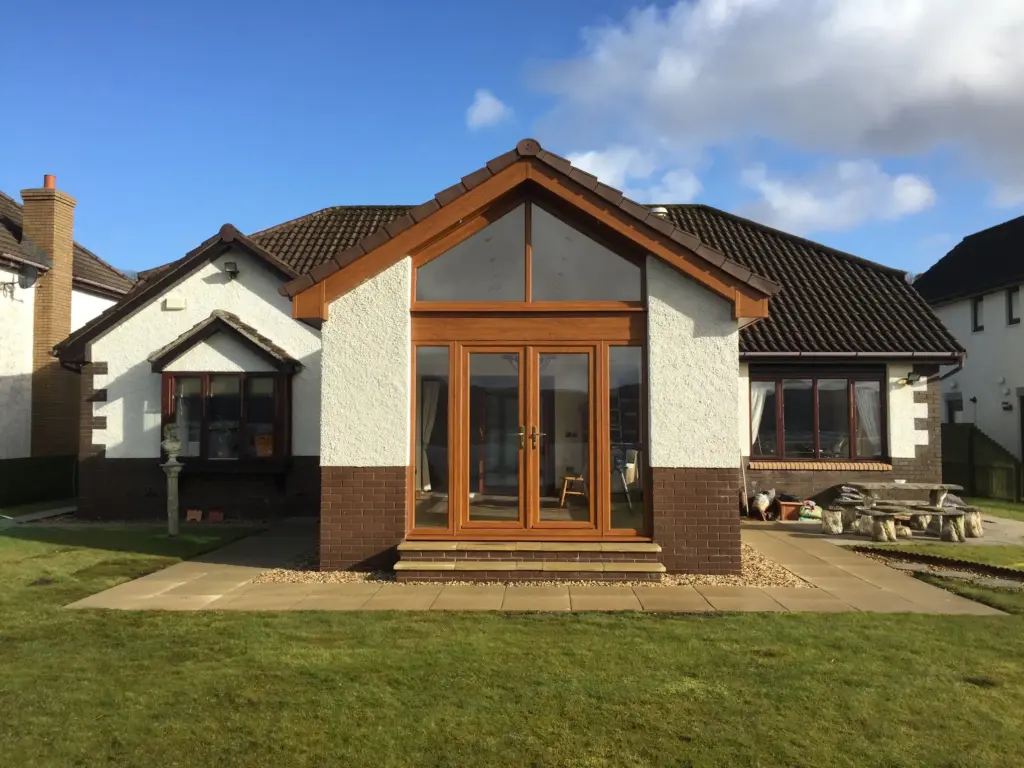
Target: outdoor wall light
(231, 268)
(911, 378)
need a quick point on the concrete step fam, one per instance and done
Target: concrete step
(526, 570)
(638, 547)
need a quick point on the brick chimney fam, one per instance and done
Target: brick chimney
(48, 221)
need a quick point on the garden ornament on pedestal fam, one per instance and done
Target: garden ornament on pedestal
(171, 445)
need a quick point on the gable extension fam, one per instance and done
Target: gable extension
(528, 162)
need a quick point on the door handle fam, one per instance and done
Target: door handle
(534, 434)
(522, 437)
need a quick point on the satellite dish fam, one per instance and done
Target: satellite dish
(27, 276)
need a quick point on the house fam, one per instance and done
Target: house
(975, 291)
(49, 286)
(529, 370)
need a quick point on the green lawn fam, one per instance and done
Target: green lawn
(999, 508)
(83, 688)
(1011, 601)
(1004, 555)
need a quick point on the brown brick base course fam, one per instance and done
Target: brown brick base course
(513, 576)
(137, 488)
(696, 519)
(362, 516)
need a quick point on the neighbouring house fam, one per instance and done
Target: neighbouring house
(528, 373)
(49, 286)
(975, 290)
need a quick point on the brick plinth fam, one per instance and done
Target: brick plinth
(696, 519)
(362, 516)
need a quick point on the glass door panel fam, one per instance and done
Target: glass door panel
(496, 439)
(561, 437)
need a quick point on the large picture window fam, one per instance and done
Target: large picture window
(817, 417)
(228, 417)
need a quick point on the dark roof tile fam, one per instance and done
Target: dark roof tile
(982, 262)
(87, 269)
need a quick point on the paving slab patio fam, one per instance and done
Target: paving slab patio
(841, 581)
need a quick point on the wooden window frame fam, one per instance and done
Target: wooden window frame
(282, 420)
(977, 305)
(600, 456)
(622, 248)
(1012, 319)
(852, 376)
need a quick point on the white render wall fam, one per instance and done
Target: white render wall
(993, 371)
(367, 370)
(904, 437)
(16, 323)
(133, 390)
(694, 368)
(85, 306)
(220, 353)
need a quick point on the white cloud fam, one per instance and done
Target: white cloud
(633, 171)
(486, 110)
(864, 78)
(839, 197)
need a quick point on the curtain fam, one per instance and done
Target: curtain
(759, 391)
(869, 431)
(428, 415)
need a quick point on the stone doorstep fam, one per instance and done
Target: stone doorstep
(529, 546)
(528, 565)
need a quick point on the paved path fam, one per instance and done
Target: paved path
(845, 581)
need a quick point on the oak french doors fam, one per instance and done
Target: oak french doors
(528, 437)
(536, 438)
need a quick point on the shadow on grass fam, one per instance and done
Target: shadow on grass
(193, 541)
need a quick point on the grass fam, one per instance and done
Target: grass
(1011, 601)
(82, 688)
(1004, 555)
(999, 508)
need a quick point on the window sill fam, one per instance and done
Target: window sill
(233, 466)
(822, 466)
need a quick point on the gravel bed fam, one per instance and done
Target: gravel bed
(756, 571)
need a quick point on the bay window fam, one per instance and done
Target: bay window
(827, 416)
(228, 417)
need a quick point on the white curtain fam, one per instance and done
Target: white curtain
(428, 415)
(869, 428)
(759, 391)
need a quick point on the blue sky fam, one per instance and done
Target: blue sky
(167, 120)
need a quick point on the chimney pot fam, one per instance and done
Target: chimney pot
(49, 181)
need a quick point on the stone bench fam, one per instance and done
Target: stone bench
(949, 523)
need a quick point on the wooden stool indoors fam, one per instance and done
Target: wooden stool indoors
(573, 485)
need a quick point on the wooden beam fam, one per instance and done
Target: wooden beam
(397, 248)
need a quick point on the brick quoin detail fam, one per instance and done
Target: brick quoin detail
(362, 516)
(696, 519)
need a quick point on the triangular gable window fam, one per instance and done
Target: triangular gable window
(528, 255)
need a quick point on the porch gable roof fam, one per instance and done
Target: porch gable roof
(220, 321)
(313, 291)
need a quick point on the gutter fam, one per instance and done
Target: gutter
(958, 356)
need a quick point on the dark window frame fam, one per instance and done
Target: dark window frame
(1012, 319)
(282, 419)
(977, 304)
(852, 376)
